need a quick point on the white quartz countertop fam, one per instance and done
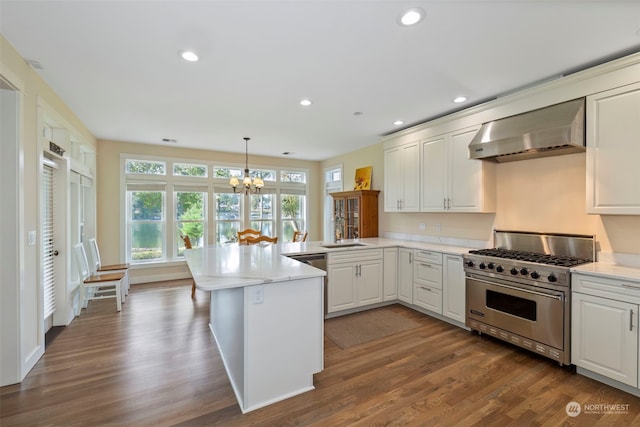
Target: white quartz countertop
(612, 271)
(368, 243)
(221, 267)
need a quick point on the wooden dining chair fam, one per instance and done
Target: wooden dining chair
(244, 234)
(96, 267)
(187, 245)
(97, 286)
(299, 236)
(261, 239)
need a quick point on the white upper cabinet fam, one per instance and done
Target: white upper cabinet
(613, 151)
(401, 176)
(450, 181)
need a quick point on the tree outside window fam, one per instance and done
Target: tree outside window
(190, 215)
(292, 211)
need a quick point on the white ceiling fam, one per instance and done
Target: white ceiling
(116, 63)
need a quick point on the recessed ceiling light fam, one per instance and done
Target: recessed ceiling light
(411, 16)
(188, 55)
(398, 122)
(460, 99)
(305, 102)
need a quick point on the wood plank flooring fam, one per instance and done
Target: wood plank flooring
(156, 364)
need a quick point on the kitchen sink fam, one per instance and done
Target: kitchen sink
(342, 245)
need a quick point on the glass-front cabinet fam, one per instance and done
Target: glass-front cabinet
(355, 214)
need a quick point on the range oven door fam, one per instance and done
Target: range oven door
(520, 309)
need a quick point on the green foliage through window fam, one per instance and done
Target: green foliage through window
(146, 167)
(180, 169)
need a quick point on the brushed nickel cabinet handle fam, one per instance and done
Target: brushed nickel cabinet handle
(631, 321)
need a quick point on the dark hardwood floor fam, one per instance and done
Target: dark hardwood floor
(156, 364)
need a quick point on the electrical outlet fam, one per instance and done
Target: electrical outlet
(422, 226)
(257, 294)
(438, 227)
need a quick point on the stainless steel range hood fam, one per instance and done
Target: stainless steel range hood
(549, 131)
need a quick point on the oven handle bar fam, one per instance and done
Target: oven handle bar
(558, 297)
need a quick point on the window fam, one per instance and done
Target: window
(288, 176)
(146, 167)
(188, 169)
(146, 225)
(293, 214)
(166, 198)
(261, 213)
(228, 215)
(333, 183)
(190, 218)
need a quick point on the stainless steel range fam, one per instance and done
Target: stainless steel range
(520, 291)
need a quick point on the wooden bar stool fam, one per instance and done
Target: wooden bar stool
(244, 234)
(187, 245)
(260, 239)
(299, 236)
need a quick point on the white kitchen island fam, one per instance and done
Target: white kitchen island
(266, 315)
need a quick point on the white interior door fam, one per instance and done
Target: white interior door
(49, 251)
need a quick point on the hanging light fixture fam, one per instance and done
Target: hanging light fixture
(249, 186)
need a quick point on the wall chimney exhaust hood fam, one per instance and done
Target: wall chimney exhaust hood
(549, 131)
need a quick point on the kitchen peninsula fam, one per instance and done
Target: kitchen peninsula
(266, 315)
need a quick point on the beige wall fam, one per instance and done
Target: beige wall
(108, 185)
(545, 195)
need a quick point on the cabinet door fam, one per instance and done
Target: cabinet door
(390, 269)
(613, 150)
(405, 275)
(453, 288)
(604, 337)
(352, 218)
(401, 174)
(339, 212)
(392, 179)
(341, 287)
(410, 178)
(433, 173)
(465, 176)
(370, 282)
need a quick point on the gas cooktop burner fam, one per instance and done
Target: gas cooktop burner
(561, 261)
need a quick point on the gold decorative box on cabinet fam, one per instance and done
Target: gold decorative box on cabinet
(355, 214)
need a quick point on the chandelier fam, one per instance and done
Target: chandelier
(248, 186)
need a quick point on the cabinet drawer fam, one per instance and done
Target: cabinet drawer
(428, 297)
(427, 256)
(427, 274)
(357, 255)
(624, 290)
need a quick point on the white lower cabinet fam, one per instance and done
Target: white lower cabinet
(604, 327)
(420, 278)
(427, 280)
(405, 275)
(390, 279)
(453, 288)
(355, 279)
